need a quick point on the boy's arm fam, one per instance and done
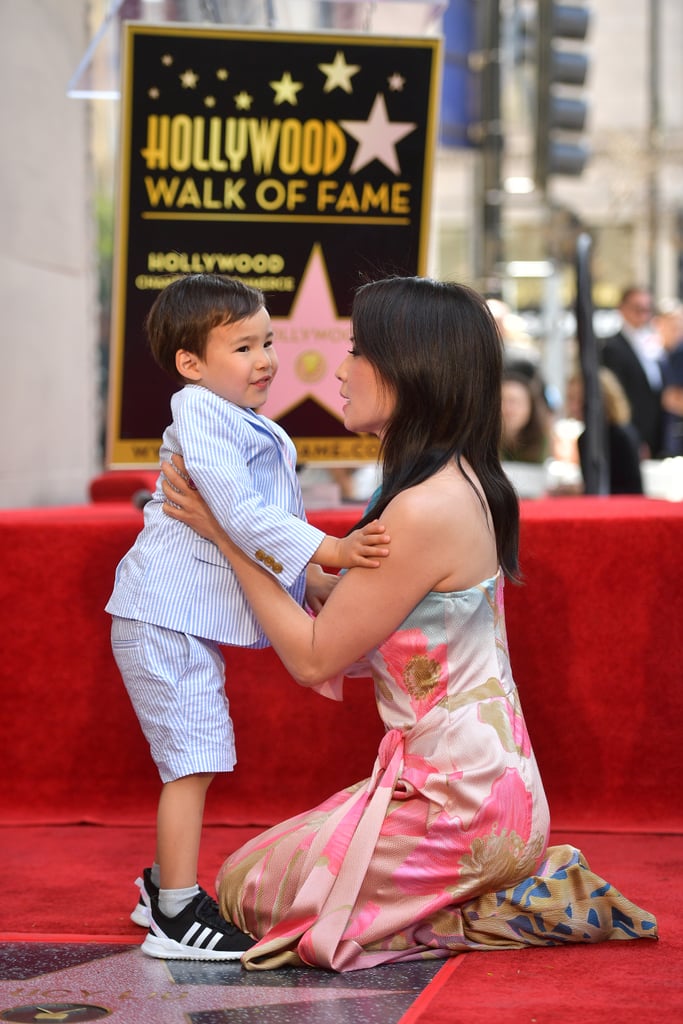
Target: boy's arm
(319, 586)
(221, 455)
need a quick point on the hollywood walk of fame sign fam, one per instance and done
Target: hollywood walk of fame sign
(298, 163)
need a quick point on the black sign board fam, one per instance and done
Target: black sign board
(300, 163)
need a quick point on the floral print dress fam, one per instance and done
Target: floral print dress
(444, 848)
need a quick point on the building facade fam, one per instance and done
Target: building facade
(57, 193)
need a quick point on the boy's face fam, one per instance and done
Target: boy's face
(239, 363)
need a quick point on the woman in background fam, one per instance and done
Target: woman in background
(621, 439)
(526, 418)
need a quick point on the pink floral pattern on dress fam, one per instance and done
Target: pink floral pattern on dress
(417, 668)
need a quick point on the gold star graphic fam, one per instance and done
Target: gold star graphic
(153, 93)
(222, 74)
(209, 101)
(338, 73)
(243, 101)
(167, 59)
(286, 89)
(396, 82)
(189, 79)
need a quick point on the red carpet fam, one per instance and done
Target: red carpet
(70, 883)
(78, 880)
(606, 984)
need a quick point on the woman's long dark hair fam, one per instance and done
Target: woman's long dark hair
(436, 347)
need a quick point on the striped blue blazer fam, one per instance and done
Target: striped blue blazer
(245, 467)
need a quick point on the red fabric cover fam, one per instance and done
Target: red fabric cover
(122, 484)
(595, 638)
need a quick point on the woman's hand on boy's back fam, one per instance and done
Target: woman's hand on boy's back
(185, 503)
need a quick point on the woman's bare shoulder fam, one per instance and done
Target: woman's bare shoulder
(445, 520)
(448, 493)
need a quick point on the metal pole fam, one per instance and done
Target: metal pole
(595, 462)
(654, 140)
(491, 149)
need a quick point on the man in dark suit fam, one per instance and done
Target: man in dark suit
(633, 357)
(669, 325)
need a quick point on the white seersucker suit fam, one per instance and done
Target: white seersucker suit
(244, 465)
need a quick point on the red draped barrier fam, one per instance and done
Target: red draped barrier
(595, 638)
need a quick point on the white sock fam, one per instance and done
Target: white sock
(173, 901)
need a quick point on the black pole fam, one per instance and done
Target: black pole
(594, 464)
(654, 130)
(491, 147)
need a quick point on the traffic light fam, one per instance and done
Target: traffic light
(561, 72)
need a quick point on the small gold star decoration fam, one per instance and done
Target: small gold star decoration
(286, 89)
(189, 79)
(338, 74)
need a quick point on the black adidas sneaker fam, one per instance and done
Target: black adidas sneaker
(197, 933)
(148, 892)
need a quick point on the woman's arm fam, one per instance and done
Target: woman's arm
(253, 498)
(363, 609)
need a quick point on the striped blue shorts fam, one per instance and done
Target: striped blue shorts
(176, 684)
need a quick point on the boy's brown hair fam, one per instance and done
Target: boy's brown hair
(184, 313)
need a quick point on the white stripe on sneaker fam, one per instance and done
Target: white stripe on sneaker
(203, 938)
(189, 934)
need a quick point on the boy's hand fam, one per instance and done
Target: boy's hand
(319, 586)
(365, 547)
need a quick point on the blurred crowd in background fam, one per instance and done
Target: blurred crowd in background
(544, 433)
(641, 395)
